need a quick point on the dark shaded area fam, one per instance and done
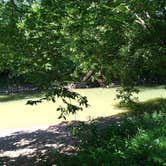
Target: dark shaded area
(145, 107)
(36, 147)
(19, 96)
(150, 106)
(134, 138)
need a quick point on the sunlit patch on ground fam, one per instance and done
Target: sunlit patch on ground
(33, 145)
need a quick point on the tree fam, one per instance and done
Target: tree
(142, 58)
(35, 43)
(53, 42)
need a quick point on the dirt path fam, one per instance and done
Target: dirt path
(26, 148)
(33, 147)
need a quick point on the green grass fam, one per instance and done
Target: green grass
(14, 113)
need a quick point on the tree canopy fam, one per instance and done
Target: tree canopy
(60, 41)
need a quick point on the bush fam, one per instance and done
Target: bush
(134, 140)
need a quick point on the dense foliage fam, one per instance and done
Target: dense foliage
(113, 40)
(133, 139)
(50, 43)
(137, 139)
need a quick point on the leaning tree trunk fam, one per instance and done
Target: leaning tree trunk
(87, 76)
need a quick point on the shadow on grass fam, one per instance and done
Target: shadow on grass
(148, 106)
(137, 138)
(19, 96)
